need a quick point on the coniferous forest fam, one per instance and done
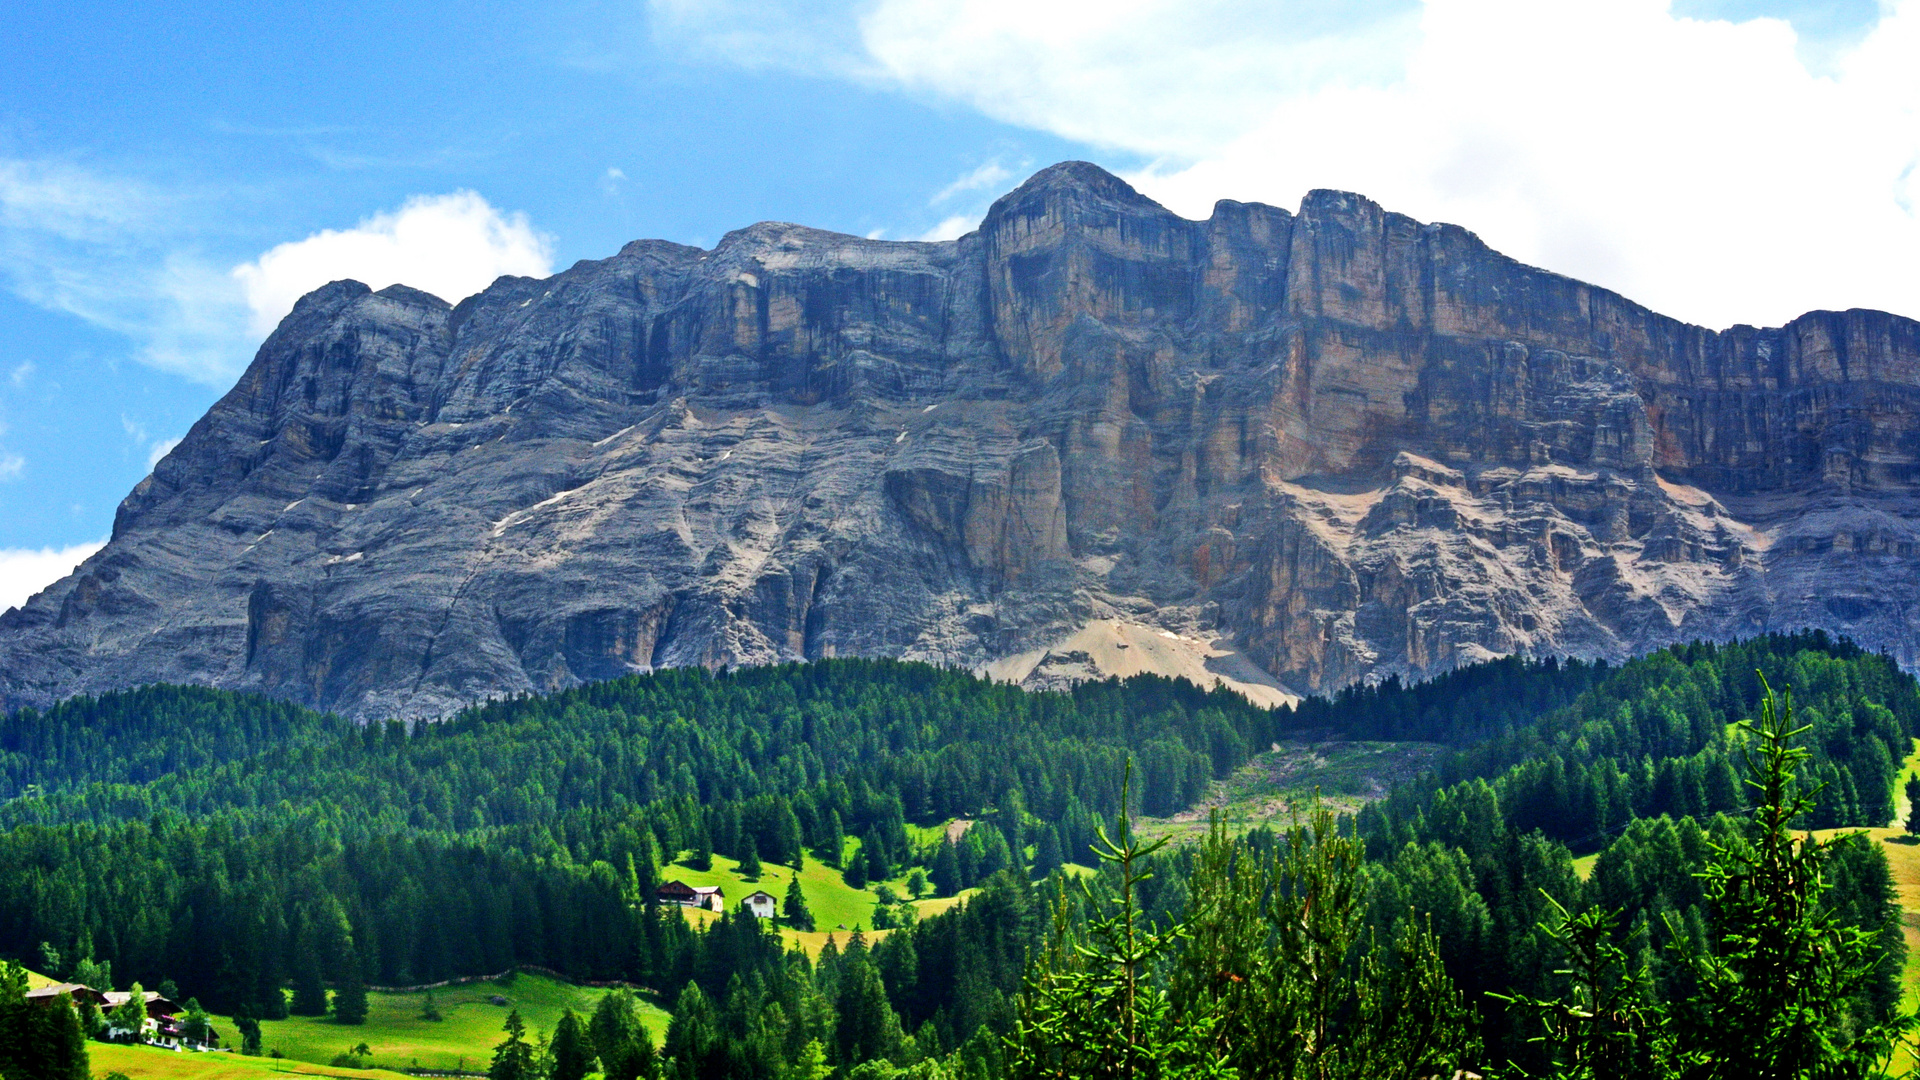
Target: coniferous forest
(252, 852)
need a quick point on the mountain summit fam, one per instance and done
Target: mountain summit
(1288, 451)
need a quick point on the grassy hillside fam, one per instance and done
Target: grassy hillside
(146, 1063)
(464, 1039)
(838, 908)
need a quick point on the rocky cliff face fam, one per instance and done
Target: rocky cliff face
(1284, 450)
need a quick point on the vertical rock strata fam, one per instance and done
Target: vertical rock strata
(1312, 448)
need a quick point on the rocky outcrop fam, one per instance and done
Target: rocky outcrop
(1286, 450)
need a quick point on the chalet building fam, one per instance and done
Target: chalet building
(164, 1026)
(694, 896)
(761, 905)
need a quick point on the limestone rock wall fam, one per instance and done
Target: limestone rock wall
(1291, 449)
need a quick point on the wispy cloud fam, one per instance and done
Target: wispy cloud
(111, 252)
(161, 448)
(987, 177)
(11, 465)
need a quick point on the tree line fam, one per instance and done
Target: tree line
(304, 852)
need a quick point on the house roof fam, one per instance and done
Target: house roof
(155, 1003)
(759, 893)
(706, 890)
(80, 992)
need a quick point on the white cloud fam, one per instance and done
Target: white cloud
(1183, 75)
(161, 448)
(11, 465)
(122, 255)
(1696, 165)
(952, 228)
(21, 372)
(449, 245)
(25, 571)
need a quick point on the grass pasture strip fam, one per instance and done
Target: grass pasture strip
(463, 1039)
(147, 1063)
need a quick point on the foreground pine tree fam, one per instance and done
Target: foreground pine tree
(1780, 986)
(1092, 1009)
(1280, 952)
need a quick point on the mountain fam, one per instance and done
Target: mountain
(1287, 451)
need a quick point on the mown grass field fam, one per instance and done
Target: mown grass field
(464, 1038)
(146, 1063)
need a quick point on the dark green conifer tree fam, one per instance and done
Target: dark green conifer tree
(249, 1028)
(867, 1029)
(695, 1048)
(794, 907)
(946, 871)
(618, 1035)
(855, 872)
(1046, 855)
(309, 991)
(750, 863)
(836, 845)
(513, 1059)
(573, 1051)
(350, 994)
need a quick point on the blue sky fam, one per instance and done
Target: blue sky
(172, 175)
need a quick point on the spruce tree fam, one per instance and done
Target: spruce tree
(309, 992)
(795, 906)
(855, 872)
(42, 1040)
(249, 1029)
(350, 995)
(1777, 986)
(879, 867)
(1091, 1010)
(1046, 855)
(867, 1029)
(836, 846)
(1913, 803)
(694, 1038)
(618, 1035)
(1277, 946)
(750, 864)
(946, 871)
(513, 1059)
(573, 1052)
